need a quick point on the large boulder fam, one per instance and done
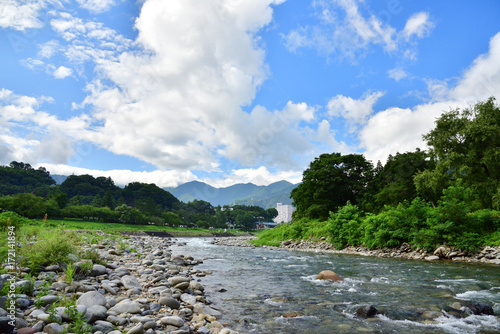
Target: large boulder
(329, 275)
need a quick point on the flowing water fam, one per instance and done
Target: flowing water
(265, 287)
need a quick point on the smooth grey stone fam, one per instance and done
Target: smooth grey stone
(49, 299)
(108, 288)
(117, 321)
(130, 282)
(23, 303)
(91, 298)
(172, 320)
(53, 328)
(188, 299)
(98, 270)
(137, 329)
(126, 306)
(155, 307)
(170, 302)
(96, 312)
(150, 325)
(204, 309)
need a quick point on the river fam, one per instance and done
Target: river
(264, 287)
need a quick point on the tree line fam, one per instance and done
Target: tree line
(448, 194)
(33, 193)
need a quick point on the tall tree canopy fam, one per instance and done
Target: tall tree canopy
(331, 181)
(466, 145)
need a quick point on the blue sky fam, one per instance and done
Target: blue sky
(233, 91)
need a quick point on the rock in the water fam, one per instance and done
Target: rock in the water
(130, 282)
(127, 306)
(170, 302)
(91, 298)
(481, 308)
(201, 308)
(329, 275)
(172, 320)
(368, 311)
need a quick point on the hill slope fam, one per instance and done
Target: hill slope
(242, 193)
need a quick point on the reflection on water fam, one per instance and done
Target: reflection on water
(276, 291)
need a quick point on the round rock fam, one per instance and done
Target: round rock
(91, 298)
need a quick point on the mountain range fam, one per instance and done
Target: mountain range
(241, 193)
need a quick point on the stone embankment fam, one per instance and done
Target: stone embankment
(488, 254)
(141, 289)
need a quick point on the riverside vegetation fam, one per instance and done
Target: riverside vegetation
(91, 282)
(447, 196)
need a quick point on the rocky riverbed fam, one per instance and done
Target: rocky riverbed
(489, 255)
(140, 289)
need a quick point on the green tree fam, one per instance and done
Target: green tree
(330, 182)
(466, 144)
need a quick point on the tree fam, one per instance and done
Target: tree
(466, 145)
(393, 183)
(330, 182)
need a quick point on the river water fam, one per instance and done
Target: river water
(264, 287)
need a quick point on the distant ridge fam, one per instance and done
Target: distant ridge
(241, 193)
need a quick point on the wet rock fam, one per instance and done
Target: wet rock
(481, 308)
(91, 298)
(201, 308)
(368, 311)
(329, 275)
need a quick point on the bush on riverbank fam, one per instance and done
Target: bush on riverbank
(454, 222)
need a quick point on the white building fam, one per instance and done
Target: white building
(284, 213)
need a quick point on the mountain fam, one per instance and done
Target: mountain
(241, 193)
(59, 178)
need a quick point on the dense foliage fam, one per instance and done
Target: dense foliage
(448, 195)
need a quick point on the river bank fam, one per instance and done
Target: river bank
(488, 255)
(140, 288)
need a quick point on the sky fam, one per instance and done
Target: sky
(233, 91)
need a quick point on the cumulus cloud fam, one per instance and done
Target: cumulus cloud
(400, 130)
(21, 15)
(62, 72)
(355, 111)
(258, 176)
(178, 103)
(28, 133)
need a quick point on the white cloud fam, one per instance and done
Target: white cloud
(347, 31)
(178, 102)
(400, 130)
(122, 177)
(20, 15)
(29, 133)
(354, 111)
(62, 72)
(258, 176)
(418, 25)
(397, 73)
(96, 6)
